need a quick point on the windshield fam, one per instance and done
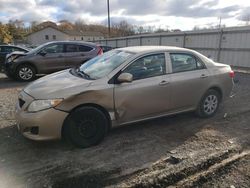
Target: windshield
(37, 48)
(101, 66)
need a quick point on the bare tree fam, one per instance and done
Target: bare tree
(246, 18)
(80, 25)
(65, 25)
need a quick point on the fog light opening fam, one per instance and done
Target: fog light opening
(34, 130)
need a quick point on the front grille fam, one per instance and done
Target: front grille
(21, 102)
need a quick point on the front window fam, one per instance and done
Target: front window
(54, 48)
(147, 66)
(101, 66)
(37, 49)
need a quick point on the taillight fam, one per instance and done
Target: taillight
(100, 52)
(231, 74)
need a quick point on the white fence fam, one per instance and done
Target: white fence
(229, 45)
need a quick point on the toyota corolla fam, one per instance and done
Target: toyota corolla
(122, 86)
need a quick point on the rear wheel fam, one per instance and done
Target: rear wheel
(25, 73)
(209, 104)
(86, 126)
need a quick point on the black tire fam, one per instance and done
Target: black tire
(10, 76)
(25, 73)
(209, 104)
(86, 126)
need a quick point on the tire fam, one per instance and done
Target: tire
(85, 127)
(25, 73)
(10, 76)
(209, 104)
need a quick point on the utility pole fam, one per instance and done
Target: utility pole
(220, 22)
(108, 17)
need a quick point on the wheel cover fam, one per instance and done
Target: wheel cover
(210, 104)
(87, 128)
(25, 73)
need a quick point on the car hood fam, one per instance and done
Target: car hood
(16, 54)
(58, 85)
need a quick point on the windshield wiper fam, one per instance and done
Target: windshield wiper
(82, 73)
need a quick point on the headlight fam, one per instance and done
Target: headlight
(10, 58)
(38, 105)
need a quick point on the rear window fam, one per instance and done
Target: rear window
(83, 48)
(182, 62)
(71, 48)
(8, 49)
(19, 49)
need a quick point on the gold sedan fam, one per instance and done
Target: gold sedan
(122, 86)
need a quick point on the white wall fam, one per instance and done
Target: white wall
(230, 45)
(85, 38)
(38, 38)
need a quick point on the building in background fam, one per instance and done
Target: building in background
(51, 33)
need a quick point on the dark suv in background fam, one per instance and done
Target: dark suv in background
(6, 49)
(48, 58)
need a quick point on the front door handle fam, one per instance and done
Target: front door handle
(163, 82)
(203, 76)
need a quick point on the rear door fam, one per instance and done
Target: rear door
(76, 54)
(50, 58)
(148, 94)
(87, 52)
(189, 80)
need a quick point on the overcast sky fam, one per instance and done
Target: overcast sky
(172, 14)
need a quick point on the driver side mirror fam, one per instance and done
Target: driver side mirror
(42, 53)
(125, 77)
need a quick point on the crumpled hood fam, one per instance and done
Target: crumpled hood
(16, 54)
(58, 85)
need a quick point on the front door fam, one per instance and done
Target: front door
(148, 94)
(50, 58)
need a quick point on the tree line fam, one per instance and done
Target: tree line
(17, 30)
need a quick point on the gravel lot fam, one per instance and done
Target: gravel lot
(176, 151)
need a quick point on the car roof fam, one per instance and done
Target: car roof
(6, 45)
(149, 49)
(141, 49)
(73, 42)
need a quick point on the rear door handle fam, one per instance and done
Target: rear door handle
(163, 82)
(203, 76)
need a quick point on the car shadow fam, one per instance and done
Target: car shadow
(127, 148)
(7, 83)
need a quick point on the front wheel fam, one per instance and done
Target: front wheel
(209, 104)
(86, 126)
(25, 73)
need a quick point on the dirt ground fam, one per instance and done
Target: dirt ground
(176, 151)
